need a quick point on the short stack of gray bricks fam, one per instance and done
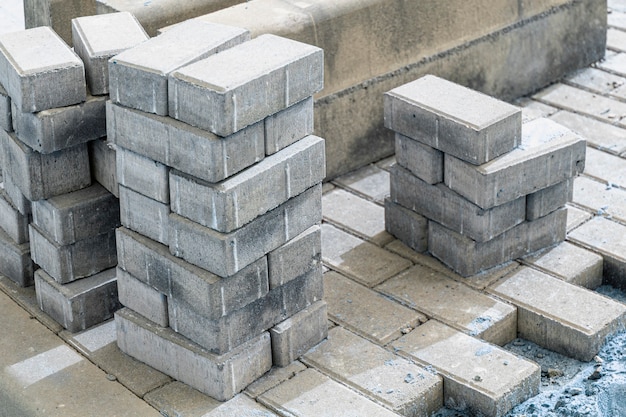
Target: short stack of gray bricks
(472, 185)
(220, 193)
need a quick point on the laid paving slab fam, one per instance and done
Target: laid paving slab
(576, 217)
(358, 259)
(594, 79)
(601, 135)
(241, 405)
(532, 109)
(606, 167)
(367, 312)
(274, 377)
(370, 181)
(615, 63)
(393, 381)
(600, 198)
(615, 40)
(310, 393)
(478, 377)
(560, 316)
(617, 19)
(179, 399)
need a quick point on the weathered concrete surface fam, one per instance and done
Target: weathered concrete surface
(57, 13)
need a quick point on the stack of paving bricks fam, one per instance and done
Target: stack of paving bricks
(220, 194)
(472, 185)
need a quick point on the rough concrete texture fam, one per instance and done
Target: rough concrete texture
(425, 162)
(142, 298)
(15, 261)
(295, 257)
(143, 175)
(408, 226)
(6, 121)
(478, 377)
(138, 77)
(545, 201)
(40, 71)
(144, 215)
(12, 222)
(96, 39)
(15, 196)
(560, 316)
(454, 119)
(288, 126)
(183, 147)
(80, 304)
(275, 74)
(102, 162)
(221, 377)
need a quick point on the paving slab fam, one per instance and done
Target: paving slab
(144, 215)
(424, 162)
(601, 135)
(179, 399)
(453, 119)
(615, 63)
(288, 126)
(606, 167)
(370, 182)
(393, 381)
(532, 109)
(576, 217)
(601, 198)
(545, 201)
(366, 312)
(408, 226)
(296, 257)
(274, 377)
(241, 405)
(616, 40)
(617, 19)
(480, 378)
(142, 298)
(143, 175)
(594, 79)
(560, 316)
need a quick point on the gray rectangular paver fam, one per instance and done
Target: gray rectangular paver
(370, 182)
(545, 201)
(15, 261)
(606, 167)
(601, 198)
(143, 175)
(274, 377)
(12, 222)
(142, 298)
(14, 194)
(453, 119)
(422, 160)
(242, 406)
(288, 126)
(144, 215)
(6, 120)
(604, 136)
(177, 398)
(102, 163)
(273, 74)
(296, 257)
(408, 226)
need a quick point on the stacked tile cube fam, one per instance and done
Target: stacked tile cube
(220, 195)
(472, 185)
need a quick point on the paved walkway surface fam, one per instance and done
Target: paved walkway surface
(383, 298)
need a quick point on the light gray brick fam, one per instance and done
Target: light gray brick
(183, 147)
(295, 257)
(79, 215)
(468, 257)
(467, 124)
(225, 254)
(221, 377)
(422, 160)
(15, 261)
(103, 166)
(299, 333)
(98, 38)
(408, 226)
(212, 296)
(448, 208)
(14, 194)
(138, 76)
(80, 304)
(240, 199)
(274, 73)
(14, 223)
(549, 153)
(240, 406)
(545, 201)
(40, 176)
(143, 175)
(40, 71)
(67, 263)
(288, 126)
(144, 215)
(142, 298)
(6, 120)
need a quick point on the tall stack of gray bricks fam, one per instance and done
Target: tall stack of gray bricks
(472, 184)
(220, 194)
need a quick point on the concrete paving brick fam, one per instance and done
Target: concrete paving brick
(422, 160)
(296, 257)
(450, 209)
(212, 296)
(143, 175)
(242, 406)
(60, 128)
(457, 305)
(570, 263)
(357, 215)
(229, 331)
(142, 298)
(15, 261)
(14, 194)
(468, 257)
(98, 38)
(605, 237)
(274, 377)
(221, 377)
(478, 377)
(370, 182)
(408, 226)
(240, 199)
(606, 167)
(178, 399)
(576, 217)
(6, 120)
(103, 166)
(144, 215)
(594, 79)
(40, 176)
(365, 311)
(377, 373)
(560, 316)
(226, 253)
(549, 153)
(288, 126)
(79, 215)
(603, 136)
(275, 73)
(364, 262)
(532, 109)
(310, 393)
(12, 222)
(40, 71)
(617, 20)
(615, 63)
(616, 40)
(603, 199)
(453, 119)
(67, 263)
(291, 338)
(138, 76)
(545, 201)
(183, 147)
(80, 304)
